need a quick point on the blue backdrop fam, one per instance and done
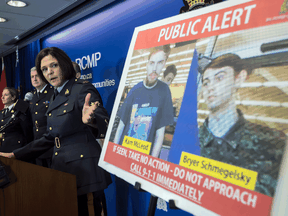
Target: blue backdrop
(109, 33)
(18, 75)
(100, 44)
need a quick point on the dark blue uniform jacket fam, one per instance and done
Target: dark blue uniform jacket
(76, 150)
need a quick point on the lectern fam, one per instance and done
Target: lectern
(37, 191)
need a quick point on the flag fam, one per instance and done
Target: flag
(17, 74)
(3, 82)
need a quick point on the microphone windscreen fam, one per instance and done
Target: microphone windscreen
(28, 96)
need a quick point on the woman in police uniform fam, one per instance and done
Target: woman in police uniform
(73, 125)
(15, 124)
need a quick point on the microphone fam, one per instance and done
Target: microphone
(28, 96)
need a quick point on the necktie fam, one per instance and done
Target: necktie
(55, 93)
(38, 93)
(5, 111)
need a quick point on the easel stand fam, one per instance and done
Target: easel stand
(152, 205)
(153, 201)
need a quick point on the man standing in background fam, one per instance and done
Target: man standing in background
(38, 107)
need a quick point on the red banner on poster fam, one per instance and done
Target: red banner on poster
(243, 16)
(189, 184)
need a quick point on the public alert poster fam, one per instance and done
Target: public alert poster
(200, 116)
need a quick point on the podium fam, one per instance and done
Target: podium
(37, 191)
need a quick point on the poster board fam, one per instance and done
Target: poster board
(224, 124)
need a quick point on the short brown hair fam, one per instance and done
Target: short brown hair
(63, 59)
(13, 93)
(231, 60)
(165, 48)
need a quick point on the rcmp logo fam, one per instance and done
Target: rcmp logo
(284, 7)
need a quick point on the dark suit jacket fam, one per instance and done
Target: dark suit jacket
(38, 108)
(16, 127)
(76, 150)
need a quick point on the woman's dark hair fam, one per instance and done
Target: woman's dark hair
(63, 59)
(13, 93)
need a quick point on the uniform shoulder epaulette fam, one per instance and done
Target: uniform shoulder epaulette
(81, 81)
